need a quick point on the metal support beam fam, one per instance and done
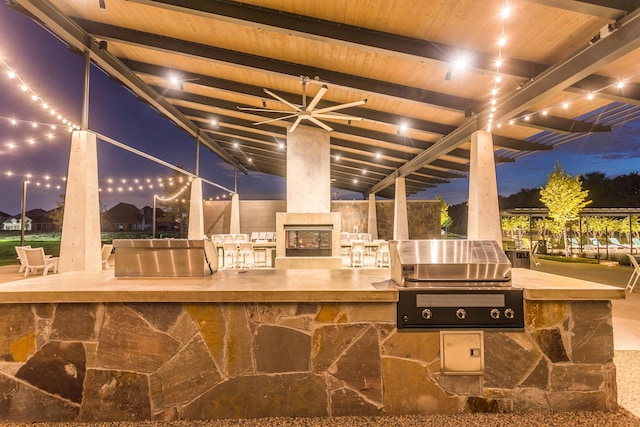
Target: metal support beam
(53, 19)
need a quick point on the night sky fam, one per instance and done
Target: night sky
(56, 75)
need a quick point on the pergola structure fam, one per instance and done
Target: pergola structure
(205, 65)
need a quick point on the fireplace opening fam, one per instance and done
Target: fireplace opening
(308, 240)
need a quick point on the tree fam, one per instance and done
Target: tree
(177, 195)
(564, 197)
(445, 219)
(56, 215)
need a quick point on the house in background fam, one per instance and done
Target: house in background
(123, 217)
(14, 223)
(40, 221)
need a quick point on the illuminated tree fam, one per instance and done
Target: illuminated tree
(564, 197)
(445, 219)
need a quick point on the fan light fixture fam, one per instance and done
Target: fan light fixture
(307, 111)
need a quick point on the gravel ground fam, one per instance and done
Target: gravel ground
(628, 375)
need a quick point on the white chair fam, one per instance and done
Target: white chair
(36, 260)
(21, 257)
(357, 253)
(106, 252)
(230, 250)
(382, 254)
(246, 255)
(635, 275)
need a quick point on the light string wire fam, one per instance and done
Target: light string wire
(30, 93)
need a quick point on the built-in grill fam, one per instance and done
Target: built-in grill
(454, 284)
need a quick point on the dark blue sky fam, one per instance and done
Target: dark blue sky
(55, 74)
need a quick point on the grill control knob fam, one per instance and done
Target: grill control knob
(495, 313)
(509, 314)
(426, 313)
(461, 313)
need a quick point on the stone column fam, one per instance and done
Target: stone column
(234, 227)
(80, 244)
(484, 213)
(196, 214)
(372, 227)
(400, 220)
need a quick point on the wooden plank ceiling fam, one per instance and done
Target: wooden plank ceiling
(199, 61)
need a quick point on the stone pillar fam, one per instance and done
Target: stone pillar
(234, 227)
(196, 213)
(400, 220)
(80, 244)
(308, 171)
(373, 217)
(484, 213)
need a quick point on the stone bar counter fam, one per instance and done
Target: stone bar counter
(90, 347)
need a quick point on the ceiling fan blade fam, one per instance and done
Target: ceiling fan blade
(319, 123)
(281, 99)
(317, 98)
(263, 110)
(337, 117)
(340, 107)
(276, 120)
(295, 124)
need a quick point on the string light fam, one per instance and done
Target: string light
(502, 41)
(33, 96)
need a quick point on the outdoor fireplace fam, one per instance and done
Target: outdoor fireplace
(307, 240)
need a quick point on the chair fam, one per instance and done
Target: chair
(21, 257)
(230, 251)
(595, 243)
(615, 242)
(573, 243)
(357, 253)
(106, 252)
(36, 259)
(635, 275)
(246, 255)
(382, 254)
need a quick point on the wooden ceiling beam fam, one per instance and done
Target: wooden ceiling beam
(288, 69)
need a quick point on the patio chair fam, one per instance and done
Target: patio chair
(106, 252)
(21, 257)
(615, 242)
(573, 243)
(36, 260)
(595, 243)
(635, 275)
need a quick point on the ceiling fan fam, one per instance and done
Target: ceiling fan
(307, 111)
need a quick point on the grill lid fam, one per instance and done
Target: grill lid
(449, 262)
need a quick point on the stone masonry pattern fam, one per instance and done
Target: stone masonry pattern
(164, 362)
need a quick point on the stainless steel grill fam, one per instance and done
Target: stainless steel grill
(454, 284)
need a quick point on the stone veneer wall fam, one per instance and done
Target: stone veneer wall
(170, 361)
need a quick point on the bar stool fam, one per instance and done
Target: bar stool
(246, 255)
(382, 254)
(230, 250)
(357, 253)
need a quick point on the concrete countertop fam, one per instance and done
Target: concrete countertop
(545, 286)
(369, 285)
(224, 286)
